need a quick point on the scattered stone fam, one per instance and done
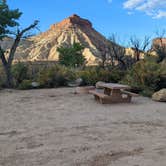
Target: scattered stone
(35, 84)
(77, 82)
(160, 95)
(84, 89)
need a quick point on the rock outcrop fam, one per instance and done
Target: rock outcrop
(43, 47)
(159, 42)
(160, 95)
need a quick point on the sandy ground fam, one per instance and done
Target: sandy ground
(58, 128)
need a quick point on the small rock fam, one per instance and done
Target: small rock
(84, 89)
(76, 83)
(160, 95)
(35, 84)
(79, 81)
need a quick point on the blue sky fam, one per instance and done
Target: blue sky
(123, 17)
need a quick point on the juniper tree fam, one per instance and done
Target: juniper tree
(72, 56)
(8, 21)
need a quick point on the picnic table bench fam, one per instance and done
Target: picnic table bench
(113, 93)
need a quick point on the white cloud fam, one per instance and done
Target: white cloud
(109, 1)
(154, 8)
(160, 14)
(130, 4)
(130, 13)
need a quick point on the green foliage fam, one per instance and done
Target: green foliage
(145, 75)
(55, 76)
(2, 76)
(162, 83)
(148, 92)
(71, 56)
(58, 75)
(161, 52)
(20, 73)
(92, 75)
(25, 84)
(1, 82)
(8, 19)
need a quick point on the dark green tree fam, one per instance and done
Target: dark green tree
(71, 56)
(8, 21)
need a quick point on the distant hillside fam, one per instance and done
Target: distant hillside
(43, 47)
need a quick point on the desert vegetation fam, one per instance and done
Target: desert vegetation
(145, 75)
(71, 56)
(56, 107)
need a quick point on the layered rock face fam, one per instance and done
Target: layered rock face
(159, 42)
(44, 46)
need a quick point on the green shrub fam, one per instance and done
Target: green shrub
(162, 83)
(147, 92)
(49, 76)
(20, 73)
(2, 77)
(55, 76)
(25, 84)
(144, 75)
(92, 75)
(1, 83)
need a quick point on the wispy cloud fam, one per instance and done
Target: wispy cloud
(154, 8)
(109, 1)
(160, 14)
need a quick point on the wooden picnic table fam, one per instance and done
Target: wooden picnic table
(113, 93)
(113, 89)
(114, 86)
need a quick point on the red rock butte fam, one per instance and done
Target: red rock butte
(43, 47)
(71, 21)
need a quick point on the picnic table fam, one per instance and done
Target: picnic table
(113, 93)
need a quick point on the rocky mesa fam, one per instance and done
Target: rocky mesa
(43, 47)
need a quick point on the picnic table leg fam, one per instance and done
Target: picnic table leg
(96, 97)
(128, 98)
(116, 93)
(107, 91)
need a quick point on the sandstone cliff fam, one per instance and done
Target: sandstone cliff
(159, 42)
(43, 47)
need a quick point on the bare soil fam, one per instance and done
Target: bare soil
(55, 127)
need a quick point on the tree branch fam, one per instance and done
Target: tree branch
(29, 28)
(17, 40)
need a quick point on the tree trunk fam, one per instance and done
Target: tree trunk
(7, 63)
(137, 55)
(9, 78)
(123, 64)
(103, 63)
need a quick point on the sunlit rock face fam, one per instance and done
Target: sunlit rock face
(44, 46)
(159, 42)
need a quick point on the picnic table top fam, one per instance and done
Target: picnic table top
(114, 86)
